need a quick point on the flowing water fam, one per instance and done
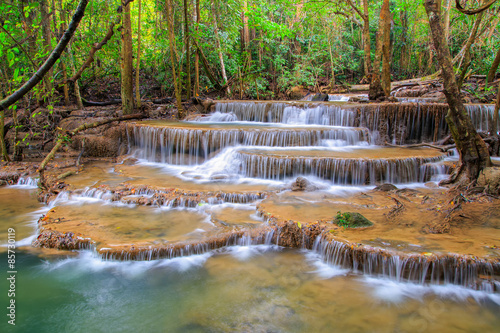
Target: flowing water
(220, 165)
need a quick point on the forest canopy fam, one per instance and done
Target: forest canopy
(251, 49)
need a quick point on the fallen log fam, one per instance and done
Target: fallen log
(444, 149)
(111, 102)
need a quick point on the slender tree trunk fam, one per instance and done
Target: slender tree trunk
(403, 60)
(219, 49)
(76, 86)
(474, 155)
(171, 40)
(467, 59)
(297, 27)
(3, 146)
(127, 87)
(366, 39)
(245, 33)
(64, 58)
(494, 67)
(188, 48)
(47, 38)
(138, 65)
(447, 19)
(197, 55)
(494, 127)
(376, 91)
(386, 52)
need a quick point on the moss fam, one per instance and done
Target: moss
(352, 220)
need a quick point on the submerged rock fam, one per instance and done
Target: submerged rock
(302, 184)
(352, 220)
(385, 188)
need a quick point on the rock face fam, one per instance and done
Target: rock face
(489, 178)
(302, 184)
(297, 92)
(352, 220)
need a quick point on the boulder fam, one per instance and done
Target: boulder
(297, 92)
(302, 184)
(489, 178)
(385, 188)
(320, 98)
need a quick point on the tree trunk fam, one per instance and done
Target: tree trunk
(245, 33)
(76, 86)
(171, 40)
(447, 19)
(466, 58)
(188, 49)
(197, 55)
(138, 65)
(47, 38)
(403, 60)
(219, 49)
(474, 155)
(3, 146)
(494, 127)
(494, 67)
(376, 91)
(386, 51)
(54, 56)
(366, 39)
(127, 87)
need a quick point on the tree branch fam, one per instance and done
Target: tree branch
(94, 49)
(474, 11)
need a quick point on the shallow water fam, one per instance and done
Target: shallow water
(235, 289)
(18, 209)
(239, 289)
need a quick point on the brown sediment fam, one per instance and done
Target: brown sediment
(474, 225)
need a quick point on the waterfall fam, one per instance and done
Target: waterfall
(290, 113)
(340, 171)
(481, 116)
(448, 269)
(188, 146)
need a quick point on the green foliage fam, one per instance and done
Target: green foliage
(342, 219)
(351, 220)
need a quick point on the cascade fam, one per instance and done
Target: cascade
(448, 269)
(184, 144)
(333, 143)
(339, 167)
(318, 113)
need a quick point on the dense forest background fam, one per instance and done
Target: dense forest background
(242, 48)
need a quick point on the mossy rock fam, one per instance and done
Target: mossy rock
(352, 220)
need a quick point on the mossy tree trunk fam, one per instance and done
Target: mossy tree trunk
(474, 155)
